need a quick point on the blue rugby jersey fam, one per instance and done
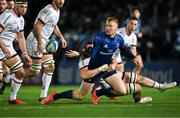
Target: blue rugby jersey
(103, 49)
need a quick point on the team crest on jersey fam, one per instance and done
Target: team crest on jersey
(106, 46)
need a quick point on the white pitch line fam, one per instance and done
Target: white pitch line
(69, 107)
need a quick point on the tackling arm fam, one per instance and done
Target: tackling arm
(85, 73)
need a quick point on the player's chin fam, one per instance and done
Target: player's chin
(108, 33)
(23, 13)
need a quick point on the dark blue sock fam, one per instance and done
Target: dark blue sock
(107, 92)
(66, 94)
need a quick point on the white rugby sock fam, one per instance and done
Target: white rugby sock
(158, 85)
(46, 80)
(15, 86)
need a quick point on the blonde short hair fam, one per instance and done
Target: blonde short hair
(114, 19)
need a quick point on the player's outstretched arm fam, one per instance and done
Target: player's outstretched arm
(72, 54)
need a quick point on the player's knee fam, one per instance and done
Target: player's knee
(5, 70)
(131, 88)
(35, 69)
(18, 70)
(48, 66)
(1, 73)
(20, 74)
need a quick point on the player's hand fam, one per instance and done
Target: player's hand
(71, 53)
(6, 52)
(63, 43)
(103, 68)
(40, 48)
(138, 61)
(28, 59)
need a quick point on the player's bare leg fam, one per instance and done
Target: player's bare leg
(85, 88)
(48, 69)
(15, 65)
(132, 77)
(34, 69)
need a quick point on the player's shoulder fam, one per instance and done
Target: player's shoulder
(83, 62)
(118, 36)
(7, 12)
(47, 9)
(121, 31)
(50, 8)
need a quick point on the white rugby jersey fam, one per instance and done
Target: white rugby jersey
(11, 24)
(50, 17)
(83, 62)
(130, 40)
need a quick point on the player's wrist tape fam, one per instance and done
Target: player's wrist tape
(25, 54)
(103, 68)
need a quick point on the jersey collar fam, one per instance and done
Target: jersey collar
(15, 11)
(54, 6)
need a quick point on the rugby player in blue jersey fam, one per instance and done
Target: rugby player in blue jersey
(105, 44)
(102, 67)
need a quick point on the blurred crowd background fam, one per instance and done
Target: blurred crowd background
(80, 18)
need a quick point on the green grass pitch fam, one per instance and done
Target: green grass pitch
(164, 104)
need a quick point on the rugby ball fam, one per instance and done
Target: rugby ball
(52, 46)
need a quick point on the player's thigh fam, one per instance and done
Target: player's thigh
(47, 56)
(48, 63)
(116, 83)
(12, 61)
(16, 66)
(6, 70)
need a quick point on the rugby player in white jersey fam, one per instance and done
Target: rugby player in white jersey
(130, 40)
(45, 24)
(11, 27)
(7, 76)
(3, 5)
